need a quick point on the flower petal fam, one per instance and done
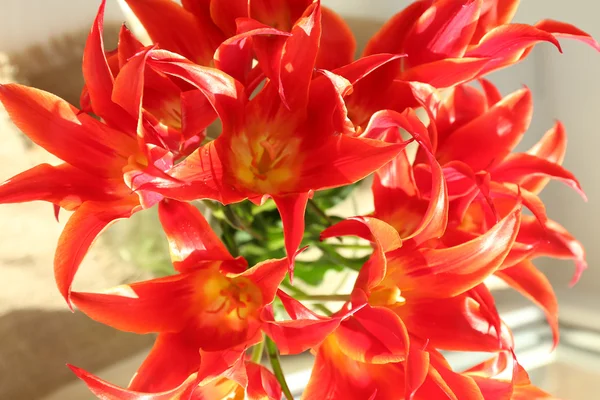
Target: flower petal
(292, 208)
(99, 79)
(63, 185)
(267, 276)
(157, 305)
(438, 273)
(304, 330)
(58, 127)
(171, 27)
(568, 31)
(533, 284)
(551, 147)
(172, 360)
(494, 134)
(443, 31)
(392, 35)
(107, 391)
(78, 235)
(447, 72)
(298, 58)
(262, 384)
(508, 44)
(337, 44)
(191, 239)
(520, 166)
(373, 335)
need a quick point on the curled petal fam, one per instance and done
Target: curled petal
(106, 391)
(80, 232)
(533, 284)
(521, 166)
(383, 235)
(267, 276)
(521, 37)
(447, 72)
(551, 147)
(448, 272)
(568, 31)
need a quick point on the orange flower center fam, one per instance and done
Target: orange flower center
(265, 163)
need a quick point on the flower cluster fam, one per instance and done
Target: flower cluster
(300, 122)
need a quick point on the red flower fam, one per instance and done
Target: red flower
(290, 139)
(214, 304)
(487, 180)
(171, 26)
(448, 42)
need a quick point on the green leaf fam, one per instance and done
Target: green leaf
(313, 272)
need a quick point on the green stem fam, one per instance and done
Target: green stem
(317, 210)
(257, 351)
(323, 297)
(273, 354)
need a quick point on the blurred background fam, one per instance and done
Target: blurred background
(41, 43)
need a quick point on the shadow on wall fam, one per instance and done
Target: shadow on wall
(36, 345)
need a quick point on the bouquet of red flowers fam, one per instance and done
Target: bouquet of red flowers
(300, 122)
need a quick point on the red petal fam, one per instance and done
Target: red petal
(224, 93)
(443, 31)
(224, 13)
(492, 93)
(128, 45)
(564, 30)
(494, 13)
(493, 135)
(391, 37)
(58, 127)
(157, 305)
(507, 44)
(298, 58)
(107, 391)
(438, 273)
(267, 276)
(171, 27)
(171, 361)
(385, 237)
(129, 85)
(337, 44)
(192, 241)
(80, 232)
(292, 208)
(519, 166)
(552, 148)
(553, 240)
(458, 323)
(63, 185)
(99, 79)
(343, 160)
(262, 384)
(417, 366)
(305, 330)
(465, 104)
(531, 283)
(447, 72)
(199, 176)
(373, 335)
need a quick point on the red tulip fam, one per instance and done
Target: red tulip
(448, 42)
